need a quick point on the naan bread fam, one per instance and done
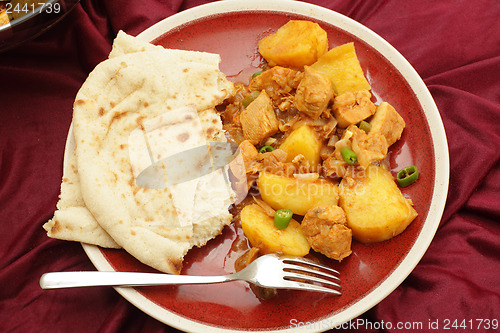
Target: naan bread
(72, 220)
(138, 82)
(126, 44)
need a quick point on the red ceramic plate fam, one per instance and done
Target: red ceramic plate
(232, 29)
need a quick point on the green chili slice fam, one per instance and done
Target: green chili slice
(365, 126)
(257, 74)
(250, 98)
(407, 176)
(265, 149)
(349, 156)
(282, 218)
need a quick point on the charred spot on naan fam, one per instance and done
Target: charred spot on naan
(131, 182)
(115, 177)
(134, 187)
(183, 137)
(56, 228)
(175, 264)
(119, 115)
(210, 131)
(79, 102)
(140, 121)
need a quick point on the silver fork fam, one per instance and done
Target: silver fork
(268, 271)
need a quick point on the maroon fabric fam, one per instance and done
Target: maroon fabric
(453, 45)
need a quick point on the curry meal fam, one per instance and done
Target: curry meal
(314, 146)
(312, 141)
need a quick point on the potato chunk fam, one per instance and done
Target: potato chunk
(387, 122)
(313, 93)
(305, 141)
(342, 67)
(296, 44)
(260, 230)
(376, 209)
(299, 195)
(258, 120)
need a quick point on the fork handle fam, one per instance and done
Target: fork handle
(57, 280)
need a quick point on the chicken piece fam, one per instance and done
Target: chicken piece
(325, 228)
(332, 166)
(250, 157)
(272, 161)
(314, 93)
(278, 82)
(258, 119)
(352, 107)
(387, 122)
(368, 148)
(275, 163)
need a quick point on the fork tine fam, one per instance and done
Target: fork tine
(304, 269)
(291, 284)
(310, 278)
(302, 261)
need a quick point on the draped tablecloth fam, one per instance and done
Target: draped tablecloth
(454, 46)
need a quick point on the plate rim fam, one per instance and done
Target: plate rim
(437, 132)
